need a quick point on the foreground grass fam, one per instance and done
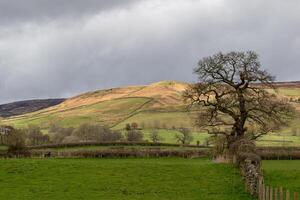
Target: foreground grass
(285, 173)
(107, 179)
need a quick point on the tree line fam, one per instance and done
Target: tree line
(33, 135)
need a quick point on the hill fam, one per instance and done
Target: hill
(23, 107)
(156, 105)
(112, 107)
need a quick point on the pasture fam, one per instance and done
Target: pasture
(285, 173)
(147, 179)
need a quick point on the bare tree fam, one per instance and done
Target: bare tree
(134, 136)
(97, 133)
(184, 136)
(154, 137)
(134, 126)
(35, 135)
(58, 134)
(231, 97)
(16, 141)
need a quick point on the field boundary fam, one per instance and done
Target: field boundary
(266, 192)
(83, 144)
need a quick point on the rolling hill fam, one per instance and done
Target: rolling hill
(113, 107)
(159, 104)
(23, 107)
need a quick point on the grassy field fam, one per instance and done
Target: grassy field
(285, 173)
(116, 179)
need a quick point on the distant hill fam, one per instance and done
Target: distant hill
(23, 107)
(158, 104)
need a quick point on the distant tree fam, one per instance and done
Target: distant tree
(35, 136)
(58, 134)
(104, 134)
(4, 132)
(16, 141)
(86, 132)
(134, 126)
(128, 127)
(184, 136)
(231, 97)
(154, 137)
(96, 133)
(134, 136)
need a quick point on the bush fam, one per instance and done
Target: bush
(218, 146)
(155, 137)
(134, 135)
(58, 134)
(184, 136)
(96, 133)
(35, 136)
(16, 142)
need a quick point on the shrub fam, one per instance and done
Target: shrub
(154, 137)
(134, 135)
(97, 133)
(184, 136)
(16, 141)
(58, 133)
(35, 136)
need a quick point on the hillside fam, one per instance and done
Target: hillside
(23, 107)
(156, 105)
(144, 104)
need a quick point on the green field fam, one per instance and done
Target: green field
(285, 173)
(112, 179)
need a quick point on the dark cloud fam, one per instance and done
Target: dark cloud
(62, 48)
(16, 11)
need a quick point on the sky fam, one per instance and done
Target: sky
(61, 48)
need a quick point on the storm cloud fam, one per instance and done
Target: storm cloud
(60, 48)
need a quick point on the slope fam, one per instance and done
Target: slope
(156, 105)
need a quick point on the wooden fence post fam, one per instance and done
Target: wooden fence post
(281, 193)
(287, 195)
(276, 194)
(271, 193)
(267, 193)
(260, 188)
(295, 196)
(263, 193)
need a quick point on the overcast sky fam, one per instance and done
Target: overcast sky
(60, 48)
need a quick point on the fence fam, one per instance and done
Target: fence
(270, 193)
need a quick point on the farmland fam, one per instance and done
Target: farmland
(156, 106)
(171, 178)
(285, 173)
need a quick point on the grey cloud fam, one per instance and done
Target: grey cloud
(138, 42)
(16, 11)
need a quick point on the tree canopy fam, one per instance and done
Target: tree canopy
(235, 97)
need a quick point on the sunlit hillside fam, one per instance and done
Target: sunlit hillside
(156, 105)
(147, 105)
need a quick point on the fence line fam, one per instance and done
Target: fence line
(270, 193)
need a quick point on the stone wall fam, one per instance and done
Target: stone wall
(246, 158)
